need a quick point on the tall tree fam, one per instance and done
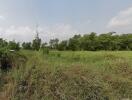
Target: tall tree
(36, 42)
(27, 45)
(14, 45)
(74, 43)
(54, 43)
(63, 45)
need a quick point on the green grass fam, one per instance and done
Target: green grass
(68, 75)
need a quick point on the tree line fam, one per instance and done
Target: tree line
(87, 42)
(94, 42)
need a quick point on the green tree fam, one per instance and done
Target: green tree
(54, 43)
(89, 42)
(63, 45)
(12, 45)
(74, 43)
(27, 45)
(3, 43)
(36, 43)
(44, 45)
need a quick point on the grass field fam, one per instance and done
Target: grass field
(68, 75)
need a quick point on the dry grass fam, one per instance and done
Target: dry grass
(70, 76)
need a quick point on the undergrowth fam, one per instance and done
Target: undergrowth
(70, 76)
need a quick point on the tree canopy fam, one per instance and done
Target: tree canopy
(87, 42)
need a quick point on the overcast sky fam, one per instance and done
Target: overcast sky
(63, 18)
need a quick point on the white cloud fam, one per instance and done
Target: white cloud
(26, 33)
(2, 17)
(123, 20)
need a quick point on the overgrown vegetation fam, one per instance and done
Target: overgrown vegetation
(37, 71)
(70, 76)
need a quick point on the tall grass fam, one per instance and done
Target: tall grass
(68, 75)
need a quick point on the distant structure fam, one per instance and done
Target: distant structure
(37, 32)
(12, 50)
(37, 41)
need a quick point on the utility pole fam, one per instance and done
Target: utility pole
(37, 32)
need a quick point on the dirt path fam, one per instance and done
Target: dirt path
(3, 96)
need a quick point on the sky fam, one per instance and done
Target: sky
(63, 18)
